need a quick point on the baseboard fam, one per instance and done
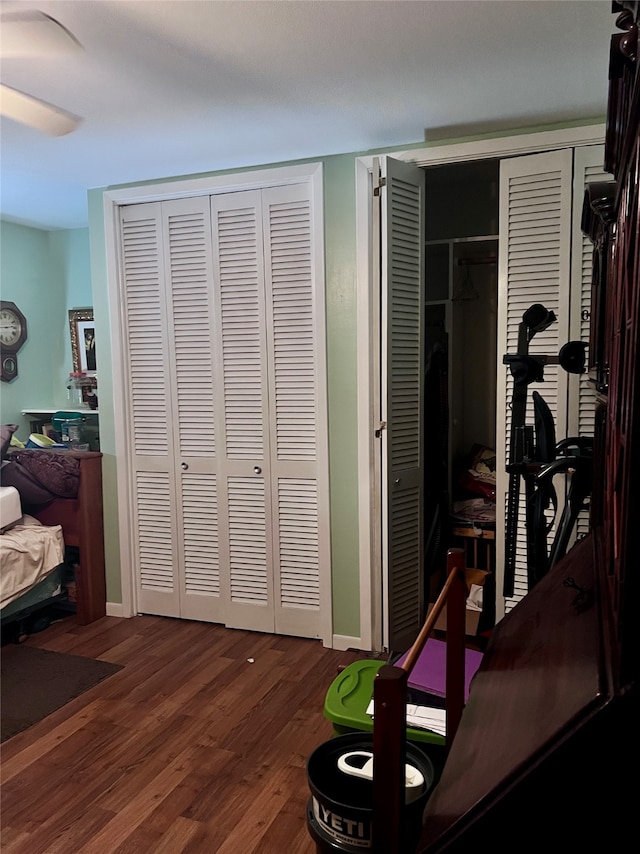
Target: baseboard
(341, 642)
(115, 609)
(344, 642)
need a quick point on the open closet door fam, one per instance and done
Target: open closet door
(402, 378)
(534, 267)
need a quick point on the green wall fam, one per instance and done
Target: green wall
(340, 212)
(43, 273)
(69, 255)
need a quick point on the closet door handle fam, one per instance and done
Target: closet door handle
(257, 470)
(184, 466)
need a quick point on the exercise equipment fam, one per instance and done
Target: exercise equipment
(535, 458)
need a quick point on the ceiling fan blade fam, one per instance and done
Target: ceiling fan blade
(31, 33)
(36, 113)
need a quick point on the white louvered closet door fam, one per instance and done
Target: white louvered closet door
(273, 494)
(297, 427)
(189, 304)
(150, 415)
(402, 348)
(168, 319)
(534, 267)
(242, 401)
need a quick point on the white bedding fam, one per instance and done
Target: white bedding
(29, 551)
(10, 506)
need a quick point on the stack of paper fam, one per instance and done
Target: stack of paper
(423, 717)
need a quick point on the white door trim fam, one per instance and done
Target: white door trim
(370, 564)
(311, 173)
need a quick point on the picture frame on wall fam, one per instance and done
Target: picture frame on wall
(83, 340)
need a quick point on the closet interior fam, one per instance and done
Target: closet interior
(460, 330)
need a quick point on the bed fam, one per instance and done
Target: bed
(33, 570)
(59, 491)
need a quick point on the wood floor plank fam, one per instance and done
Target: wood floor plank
(68, 834)
(180, 835)
(24, 749)
(197, 745)
(282, 831)
(250, 814)
(131, 815)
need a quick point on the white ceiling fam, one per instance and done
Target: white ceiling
(181, 87)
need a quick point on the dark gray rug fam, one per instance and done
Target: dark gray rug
(35, 682)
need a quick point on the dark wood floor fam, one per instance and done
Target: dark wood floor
(190, 747)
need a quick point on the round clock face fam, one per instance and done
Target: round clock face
(10, 327)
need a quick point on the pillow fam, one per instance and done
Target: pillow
(32, 493)
(56, 471)
(6, 432)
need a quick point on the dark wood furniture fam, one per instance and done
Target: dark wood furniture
(545, 754)
(82, 527)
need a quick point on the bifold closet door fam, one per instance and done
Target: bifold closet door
(402, 217)
(168, 323)
(223, 340)
(544, 257)
(294, 297)
(534, 267)
(272, 493)
(242, 409)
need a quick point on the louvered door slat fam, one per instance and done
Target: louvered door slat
(290, 298)
(146, 329)
(155, 546)
(201, 535)
(240, 293)
(189, 263)
(535, 243)
(248, 567)
(298, 544)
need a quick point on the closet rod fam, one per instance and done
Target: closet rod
(468, 262)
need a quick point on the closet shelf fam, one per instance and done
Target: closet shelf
(45, 411)
(471, 262)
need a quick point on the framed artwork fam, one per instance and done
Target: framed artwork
(83, 340)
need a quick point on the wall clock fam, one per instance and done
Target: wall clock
(13, 334)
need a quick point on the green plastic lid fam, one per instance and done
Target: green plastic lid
(67, 416)
(349, 695)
